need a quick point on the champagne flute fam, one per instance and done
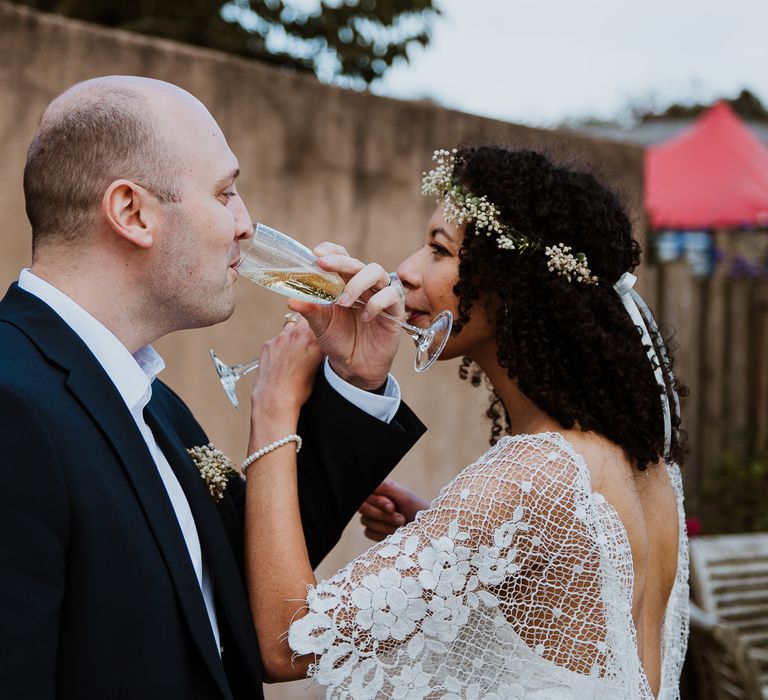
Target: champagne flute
(229, 374)
(280, 263)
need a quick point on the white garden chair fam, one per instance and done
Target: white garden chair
(729, 615)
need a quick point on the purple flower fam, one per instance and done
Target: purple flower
(742, 267)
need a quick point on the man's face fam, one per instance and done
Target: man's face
(198, 245)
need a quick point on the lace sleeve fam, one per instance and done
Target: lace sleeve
(495, 560)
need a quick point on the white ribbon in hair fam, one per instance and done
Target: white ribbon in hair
(641, 316)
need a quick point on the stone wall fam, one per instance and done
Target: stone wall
(319, 162)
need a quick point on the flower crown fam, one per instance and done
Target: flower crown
(460, 206)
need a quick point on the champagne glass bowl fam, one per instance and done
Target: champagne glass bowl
(280, 263)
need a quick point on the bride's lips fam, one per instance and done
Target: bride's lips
(416, 315)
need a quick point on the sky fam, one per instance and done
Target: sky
(542, 62)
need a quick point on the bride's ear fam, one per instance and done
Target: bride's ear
(131, 211)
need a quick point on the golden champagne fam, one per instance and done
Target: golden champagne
(315, 287)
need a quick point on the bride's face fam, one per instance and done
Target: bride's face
(429, 276)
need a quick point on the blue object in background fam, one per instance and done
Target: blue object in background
(696, 247)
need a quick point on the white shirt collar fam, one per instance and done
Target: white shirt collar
(132, 375)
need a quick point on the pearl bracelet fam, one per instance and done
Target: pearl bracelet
(250, 459)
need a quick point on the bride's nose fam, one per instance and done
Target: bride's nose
(408, 272)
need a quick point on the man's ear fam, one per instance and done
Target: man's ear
(130, 211)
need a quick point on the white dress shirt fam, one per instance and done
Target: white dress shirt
(133, 375)
(382, 406)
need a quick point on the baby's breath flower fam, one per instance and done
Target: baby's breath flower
(564, 263)
(461, 206)
(505, 243)
(215, 468)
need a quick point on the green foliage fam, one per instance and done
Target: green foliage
(747, 105)
(352, 40)
(735, 494)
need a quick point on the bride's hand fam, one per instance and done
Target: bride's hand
(287, 367)
(387, 508)
(360, 345)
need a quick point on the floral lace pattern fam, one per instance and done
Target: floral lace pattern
(515, 583)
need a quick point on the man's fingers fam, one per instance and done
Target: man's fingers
(388, 299)
(328, 248)
(306, 308)
(344, 265)
(318, 317)
(372, 276)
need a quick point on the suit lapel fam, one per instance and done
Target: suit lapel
(105, 406)
(95, 391)
(213, 538)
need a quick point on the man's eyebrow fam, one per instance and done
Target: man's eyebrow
(228, 178)
(440, 229)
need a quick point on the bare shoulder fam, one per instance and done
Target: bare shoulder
(645, 501)
(613, 474)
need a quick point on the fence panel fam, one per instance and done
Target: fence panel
(720, 325)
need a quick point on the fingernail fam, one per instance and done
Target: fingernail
(366, 316)
(344, 300)
(400, 519)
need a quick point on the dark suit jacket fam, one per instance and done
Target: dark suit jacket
(98, 597)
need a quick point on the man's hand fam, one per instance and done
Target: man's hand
(359, 343)
(387, 508)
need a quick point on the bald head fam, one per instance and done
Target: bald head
(96, 132)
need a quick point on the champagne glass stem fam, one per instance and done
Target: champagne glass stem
(414, 332)
(245, 368)
(229, 375)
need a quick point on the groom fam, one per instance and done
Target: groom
(120, 576)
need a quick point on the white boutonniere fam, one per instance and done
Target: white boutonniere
(215, 468)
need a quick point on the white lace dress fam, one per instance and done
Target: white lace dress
(515, 583)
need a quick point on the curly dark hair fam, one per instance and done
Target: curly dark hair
(572, 348)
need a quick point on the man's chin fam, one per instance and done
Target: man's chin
(216, 316)
(226, 313)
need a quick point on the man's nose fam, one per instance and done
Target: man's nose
(243, 221)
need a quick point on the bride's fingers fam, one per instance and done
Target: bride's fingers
(378, 528)
(386, 518)
(372, 277)
(378, 502)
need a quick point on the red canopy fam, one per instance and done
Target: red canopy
(713, 175)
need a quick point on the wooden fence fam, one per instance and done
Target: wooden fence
(720, 323)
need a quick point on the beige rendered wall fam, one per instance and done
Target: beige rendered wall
(319, 162)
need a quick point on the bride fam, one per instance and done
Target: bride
(553, 567)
